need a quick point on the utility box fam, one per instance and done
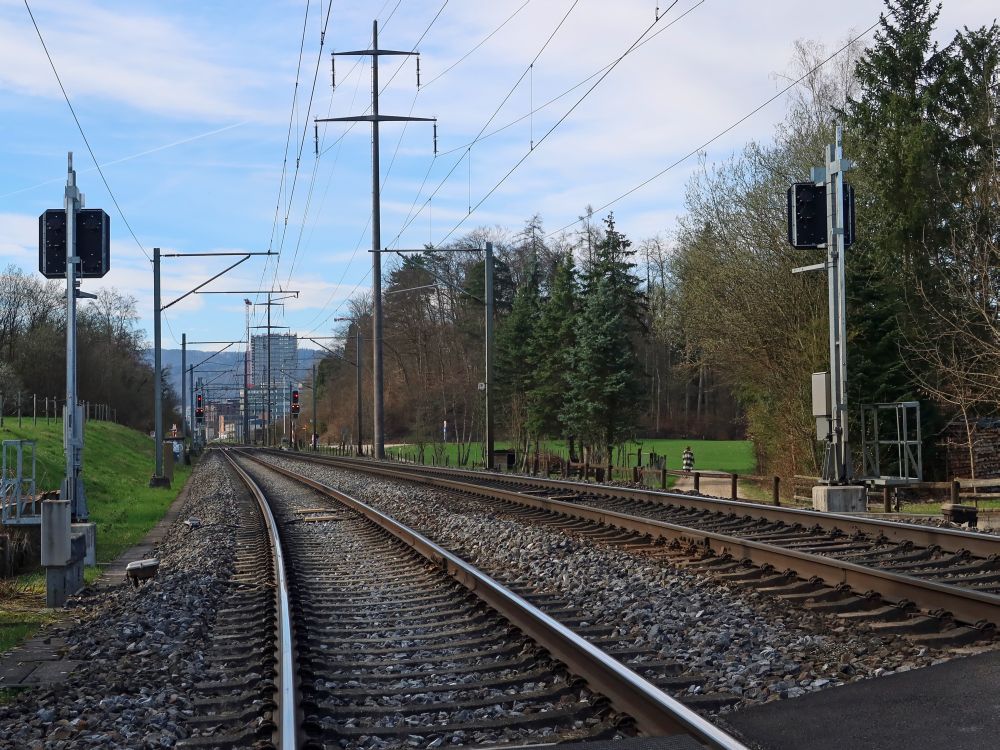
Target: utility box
(168, 459)
(821, 404)
(56, 526)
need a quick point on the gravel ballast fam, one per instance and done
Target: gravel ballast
(736, 639)
(140, 649)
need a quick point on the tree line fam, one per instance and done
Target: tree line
(921, 122)
(583, 349)
(110, 365)
(703, 330)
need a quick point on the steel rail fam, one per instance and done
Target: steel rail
(949, 540)
(655, 712)
(288, 709)
(966, 605)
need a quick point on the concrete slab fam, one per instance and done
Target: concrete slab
(954, 705)
(840, 499)
(35, 662)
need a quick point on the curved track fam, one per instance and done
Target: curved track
(866, 567)
(399, 643)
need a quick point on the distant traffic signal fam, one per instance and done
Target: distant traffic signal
(807, 215)
(199, 411)
(295, 402)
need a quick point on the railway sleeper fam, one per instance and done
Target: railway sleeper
(413, 613)
(498, 682)
(915, 568)
(350, 710)
(310, 655)
(555, 718)
(915, 624)
(257, 736)
(332, 646)
(957, 636)
(821, 594)
(860, 603)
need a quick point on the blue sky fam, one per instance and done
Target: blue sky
(188, 105)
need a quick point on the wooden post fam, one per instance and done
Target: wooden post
(663, 478)
(586, 469)
(775, 496)
(955, 489)
(886, 499)
(734, 491)
(697, 481)
(610, 476)
(34, 408)
(635, 474)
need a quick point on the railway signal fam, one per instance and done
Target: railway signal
(807, 215)
(199, 411)
(295, 402)
(821, 215)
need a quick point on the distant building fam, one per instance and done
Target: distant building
(284, 372)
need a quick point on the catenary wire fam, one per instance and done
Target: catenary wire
(409, 218)
(723, 132)
(549, 132)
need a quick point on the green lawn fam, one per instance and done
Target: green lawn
(117, 465)
(719, 455)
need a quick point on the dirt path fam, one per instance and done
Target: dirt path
(707, 485)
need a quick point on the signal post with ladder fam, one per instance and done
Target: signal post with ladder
(821, 216)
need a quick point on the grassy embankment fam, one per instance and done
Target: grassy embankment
(117, 464)
(710, 455)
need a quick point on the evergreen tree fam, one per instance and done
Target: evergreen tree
(515, 367)
(552, 344)
(895, 132)
(602, 404)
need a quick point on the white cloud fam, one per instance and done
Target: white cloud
(141, 59)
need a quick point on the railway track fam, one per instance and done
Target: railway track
(941, 586)
(390, 641)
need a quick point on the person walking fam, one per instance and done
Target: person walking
(687, 459)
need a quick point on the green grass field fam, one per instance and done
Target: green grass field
(719, 455)
(117, 465)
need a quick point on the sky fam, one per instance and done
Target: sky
(201, 115)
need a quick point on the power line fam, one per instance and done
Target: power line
(558, 122)
(721, 133)
(387, 172)
(339, 140)
(481, 43)
(302, 140)
(82, 134)
(410, 217)
(398, 143)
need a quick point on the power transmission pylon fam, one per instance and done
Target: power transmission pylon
(375, 118)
